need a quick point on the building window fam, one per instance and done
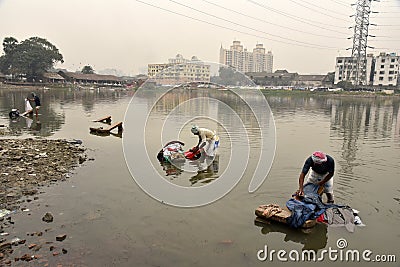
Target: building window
(339, 61)
(392, 60)
(383, 60)
(391, 66)
(390, 78)
(391, 72)
(381, 78)
(382, 66)
(382, 72)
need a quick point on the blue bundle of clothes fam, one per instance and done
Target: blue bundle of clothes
(311, 207)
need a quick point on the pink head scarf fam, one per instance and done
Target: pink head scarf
(319, 157)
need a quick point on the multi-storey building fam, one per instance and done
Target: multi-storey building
(386, 69)
(270, 62)
(246, 61)
(345, 70)
(382, 70)
(179, 70)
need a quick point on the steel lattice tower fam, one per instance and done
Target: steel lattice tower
(359, 51)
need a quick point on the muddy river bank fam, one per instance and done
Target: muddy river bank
(27, 166)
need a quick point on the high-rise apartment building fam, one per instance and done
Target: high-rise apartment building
(245, 61)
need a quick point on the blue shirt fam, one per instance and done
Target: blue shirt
(328, 166)
(37, 101)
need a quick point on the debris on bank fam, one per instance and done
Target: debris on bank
(27, 164)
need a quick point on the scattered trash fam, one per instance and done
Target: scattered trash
(15, 240)
(61, 237)
(32, 246)
(74, 141)
(4, 212)
(48, 217)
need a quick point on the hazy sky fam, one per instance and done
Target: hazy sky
(304, 36)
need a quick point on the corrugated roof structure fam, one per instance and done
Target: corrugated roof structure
(89, 77)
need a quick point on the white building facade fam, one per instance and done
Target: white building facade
(179, 70)
(245, 61)
(382, 70)
(386, 70)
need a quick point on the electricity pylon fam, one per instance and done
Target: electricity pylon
(360, 38)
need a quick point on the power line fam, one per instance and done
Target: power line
(387, 12)
(383, 17)
(388, 25)
(341, 3)
(318, 11)
(386, 40)
(297, 18)
(268, 22)
(244, 26)
(242, 32)
(379, 29)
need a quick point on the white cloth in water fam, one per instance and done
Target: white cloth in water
(28, 122)
(28, 106)
(173, 151)
(341, 216)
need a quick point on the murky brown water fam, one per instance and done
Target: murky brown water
(110, 221)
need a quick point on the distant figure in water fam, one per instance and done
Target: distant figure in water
(322, 169)
(208, 140)
(36, 99)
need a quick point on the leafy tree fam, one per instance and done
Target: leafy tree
(87, 70)
(229, 76)
(31, 57)
(346, 85)
(9, 44)
(9, 47)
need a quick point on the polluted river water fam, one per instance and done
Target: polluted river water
(110, 221)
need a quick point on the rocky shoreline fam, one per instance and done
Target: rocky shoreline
(26, 165)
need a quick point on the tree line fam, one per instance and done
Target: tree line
(30, 58)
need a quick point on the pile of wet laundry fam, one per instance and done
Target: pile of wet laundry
(311, 207)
